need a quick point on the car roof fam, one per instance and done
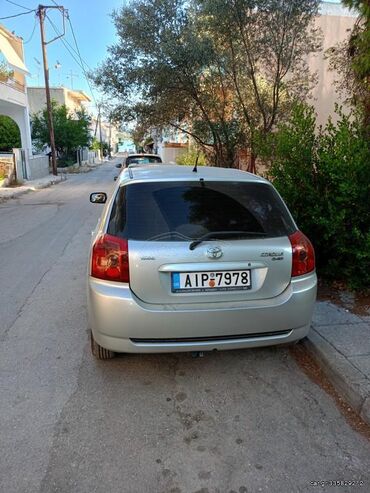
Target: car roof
(168, 172)
(142, 155)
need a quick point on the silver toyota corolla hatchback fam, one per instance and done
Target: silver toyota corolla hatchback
(196, 261)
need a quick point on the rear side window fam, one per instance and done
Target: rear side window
(143, 160)
(175, 211)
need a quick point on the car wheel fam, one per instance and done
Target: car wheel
(98, 351)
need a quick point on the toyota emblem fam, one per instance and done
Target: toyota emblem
(214, 252)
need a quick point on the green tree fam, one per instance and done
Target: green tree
(94, 144)
(71, 131)
(5, 71)
(262, 48)
(361, 38)
(10, 136)
(192, 156)
(221, 71)
(351, 60)
(324, 177)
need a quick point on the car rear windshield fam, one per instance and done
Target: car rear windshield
(176, 211)
(143, 160)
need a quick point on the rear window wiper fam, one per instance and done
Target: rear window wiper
(218, 235)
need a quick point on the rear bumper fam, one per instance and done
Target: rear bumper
(123, 323)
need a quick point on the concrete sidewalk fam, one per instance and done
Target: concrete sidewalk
(29, 185)
(340, 341)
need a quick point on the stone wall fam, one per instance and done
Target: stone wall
(6, 169)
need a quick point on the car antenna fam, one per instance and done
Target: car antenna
(195, 169)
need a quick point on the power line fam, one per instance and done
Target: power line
(18, 5)
(28, 11)
(63, 41)
(98, 106)
(33, 31)
(83, 62)
(75, 59)
(75, 40)
(17, 15)
(69, 44)
(80, 57)
(79, 62)
(79, 54)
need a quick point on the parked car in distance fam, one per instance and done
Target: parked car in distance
(140, 159)
(196, 261)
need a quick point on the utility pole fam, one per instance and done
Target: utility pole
(71, 76)
(110, 137)
(98, 122)
(41, 12)
(101, 142)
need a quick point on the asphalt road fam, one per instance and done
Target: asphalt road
(238, 421)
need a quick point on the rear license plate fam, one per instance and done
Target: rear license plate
(193, 282)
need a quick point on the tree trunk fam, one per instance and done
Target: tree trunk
(225, 158)
(252, 162)
(230, 156)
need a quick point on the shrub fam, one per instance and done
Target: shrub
(10, 135)
(324, 178)
(66, 161)
(189, 158)
(95, 144)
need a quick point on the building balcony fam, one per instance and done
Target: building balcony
(13, 83)
(12, 91)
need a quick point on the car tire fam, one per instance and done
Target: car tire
(98, 351)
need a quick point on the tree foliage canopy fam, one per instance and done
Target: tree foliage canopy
(70, 130)
(351, 60)
(324, 178)
(361, 38)
(221, 70)
(10, 136)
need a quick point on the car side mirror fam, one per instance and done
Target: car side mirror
(119, 165)
(98, 198)
(115, 178)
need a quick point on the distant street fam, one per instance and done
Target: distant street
(230, 422)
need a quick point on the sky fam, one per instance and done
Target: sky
(93, 28)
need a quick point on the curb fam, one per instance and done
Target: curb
(346, 378)
(23, 189)
(77, 169)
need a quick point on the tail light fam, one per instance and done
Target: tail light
(303, 259)
(110, 259)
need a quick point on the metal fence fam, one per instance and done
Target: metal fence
(14, 84)
(85, 156)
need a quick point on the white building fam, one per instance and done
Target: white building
(109, 133)
(74, 100)
(14, 104)
(13, 93)
(335, 22)
(169, 143)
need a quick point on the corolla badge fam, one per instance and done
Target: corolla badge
(214, 252)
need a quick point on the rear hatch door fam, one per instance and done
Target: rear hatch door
(243, 251)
